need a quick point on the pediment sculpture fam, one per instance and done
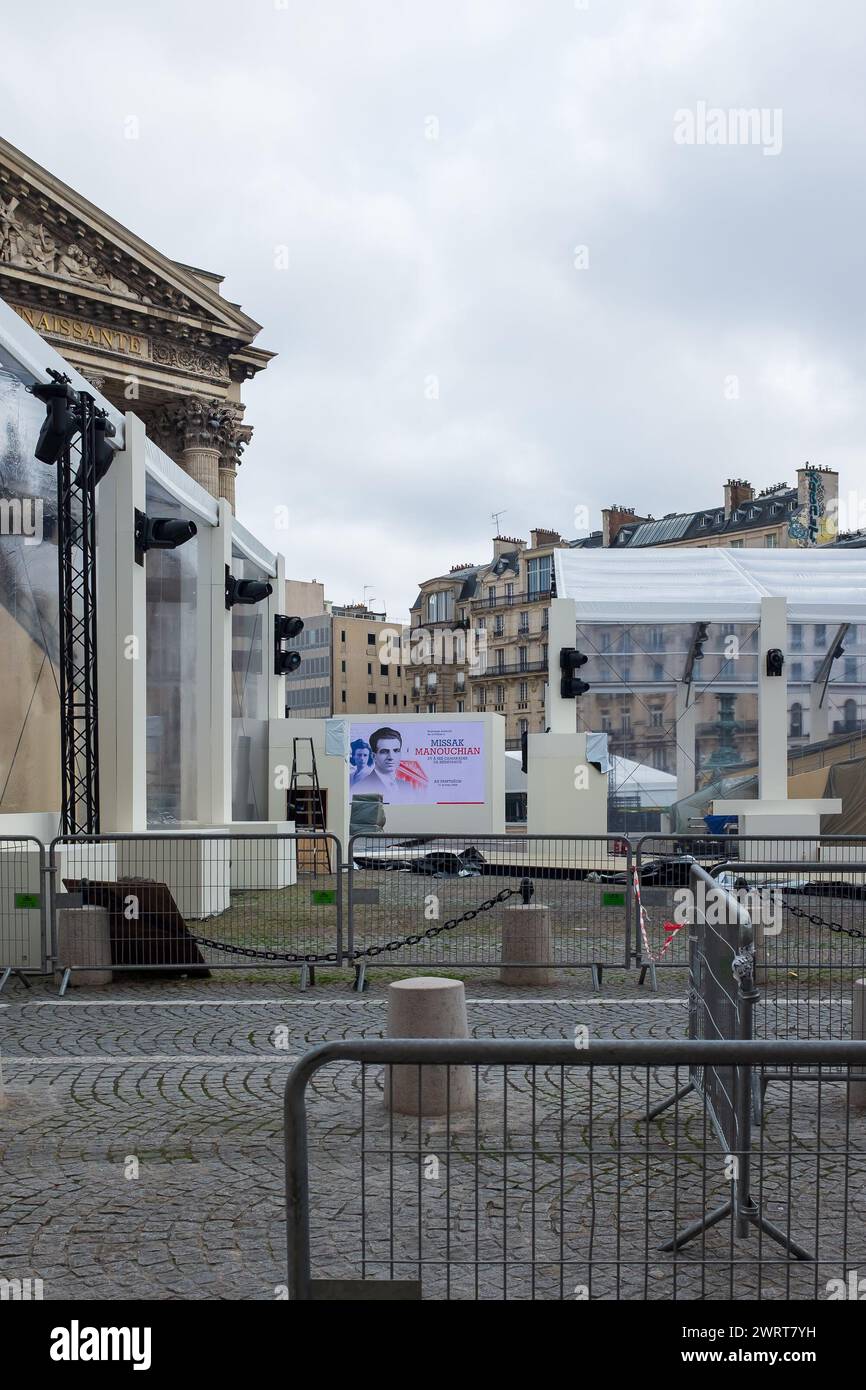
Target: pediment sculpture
(33, 245)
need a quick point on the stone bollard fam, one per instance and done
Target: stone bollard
(526, 938)
(858, 1031)
(427, 1007)
(83, 938)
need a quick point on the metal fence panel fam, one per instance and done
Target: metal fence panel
(553, 1186)
(662, 867)
(23, 906)
(192, 903)
(438, 900)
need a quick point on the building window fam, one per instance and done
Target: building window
(342, 697)
(431, 709)
(498, 627)
(849, 715)
(523, 727)
(545, 620)
(850, 668)
(371, 639)
(440, 606)
(523, 690)
(658, 671)
(605, 722)
(491, 595)
(432, 680)
(656, 716)
(509, 593)
(343, 667)
(383, 670)
(820, 635)
(369, 668)
(460, 706)
(625, 721)
(342, 636)
(404, 701)
(771, 541)
(523, 624)
(796, 670)
(460, 680)
(371, 697)
(538, 575)
(736, 545)
(523, 657)
(796, 729)
(796, 637)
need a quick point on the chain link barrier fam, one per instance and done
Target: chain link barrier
(331, 958)
(817, 921)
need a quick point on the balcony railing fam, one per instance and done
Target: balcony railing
(510, 668)
(510, 600)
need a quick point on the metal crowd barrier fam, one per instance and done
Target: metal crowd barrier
(24, 934)
(190, 903)
(661, 867)
(552, 1186)
(437, 900)
(810, 936)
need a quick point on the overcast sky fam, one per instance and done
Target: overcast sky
(446, 350)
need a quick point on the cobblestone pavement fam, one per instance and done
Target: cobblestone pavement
(141, 1137)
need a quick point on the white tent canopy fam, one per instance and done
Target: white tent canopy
(685, 585)
(654, 788)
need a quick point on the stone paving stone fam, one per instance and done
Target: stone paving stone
(187, 1077)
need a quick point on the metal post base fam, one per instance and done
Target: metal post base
(308, 975)
(649, 966)
(64, 983)
(10, 970)
(360, 982)
(671, 1100)
(750, 1216)
(597, 971)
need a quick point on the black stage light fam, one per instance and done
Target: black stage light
(160, 533)
(840, 651)
(103, 454)
(245, 590)
(287, 628)
(284, 662)
(775, 661)
(61, 416)
(570, 662)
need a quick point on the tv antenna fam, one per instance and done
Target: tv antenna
(494, 517)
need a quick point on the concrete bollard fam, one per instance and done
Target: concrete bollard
(83, 938)
(858, 1031)
(526, 939)
(427, 1007)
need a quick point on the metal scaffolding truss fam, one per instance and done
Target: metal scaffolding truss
(76, 550)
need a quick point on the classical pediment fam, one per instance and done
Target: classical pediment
(52, 239)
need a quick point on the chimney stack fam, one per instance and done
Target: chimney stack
(737, 491)
(614, 518)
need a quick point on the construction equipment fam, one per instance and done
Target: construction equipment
(306, 807)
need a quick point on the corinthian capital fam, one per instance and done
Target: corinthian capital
(201, 422)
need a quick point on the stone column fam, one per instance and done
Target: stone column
(235, 436)
(208, 435)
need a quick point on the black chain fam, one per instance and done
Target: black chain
(311, 958)
(817, 921)
(434, 931)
